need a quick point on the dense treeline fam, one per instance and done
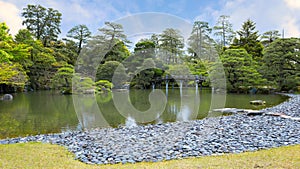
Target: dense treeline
(36, 59)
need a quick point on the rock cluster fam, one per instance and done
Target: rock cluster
(227, 134)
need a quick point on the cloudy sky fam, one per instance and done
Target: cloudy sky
(267, 14)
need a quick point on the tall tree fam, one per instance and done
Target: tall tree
(248, 32)
(224, 30)
(240, 70)
(171, 45)
(248, 39)
(112, 33)
(199, 40)
(145, 48)
(12, 58)
(108, 45)
(43, 23)
(41, 62)
(144, 74)
(268, 37)
(80, 33)
(281, 63)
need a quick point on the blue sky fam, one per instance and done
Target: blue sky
(267, 14)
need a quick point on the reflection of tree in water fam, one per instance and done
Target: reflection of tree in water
(104, 97)
(9, 126)
(108, 110)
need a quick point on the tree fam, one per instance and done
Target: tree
(106, 70)
(80, 33)
(268, 37)
(178, 70)
(248, 32)
(118, 52)
(64, 52)
(224, 30)
(199, 38)
(144, 75)
(171, 45)
(62, 79)
(281, 63)
(110, 70)
(112, 34)
(12, 77)
(12, 56)
(248, 39)
(4, 33)
(43, 23)
(109, 45)
(240, 70)
(145, 49)
(41, 64)
(9, 50)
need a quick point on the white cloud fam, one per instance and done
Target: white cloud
(295, 4)
(10, 14)
(275, 15)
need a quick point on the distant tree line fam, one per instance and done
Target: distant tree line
(36, 59)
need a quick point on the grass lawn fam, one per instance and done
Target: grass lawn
(39, 155)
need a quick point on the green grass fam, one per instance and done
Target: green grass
(39, 155)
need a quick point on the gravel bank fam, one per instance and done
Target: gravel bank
(228, 134)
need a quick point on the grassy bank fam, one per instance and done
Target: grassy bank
(38, 155)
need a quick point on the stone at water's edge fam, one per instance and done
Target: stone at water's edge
(236, 111)
(258, 102)
(7, 97)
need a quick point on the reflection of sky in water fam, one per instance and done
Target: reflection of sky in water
(184, 114)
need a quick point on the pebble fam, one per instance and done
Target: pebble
(211, 136)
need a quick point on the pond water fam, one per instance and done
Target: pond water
(48, 112)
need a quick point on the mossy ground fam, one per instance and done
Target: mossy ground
(39, 155)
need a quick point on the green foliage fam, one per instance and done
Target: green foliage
(103, 86)
(4, 35)
(63, 52)
(198, 67)
(201, 45)
(171, 45)
(248, 39)
(11, 51)
(63, 78)
(111, 34)
(107, 70)
(145, 49)
(223, 29)
(281, 63)
(80, 33)
(118, 53)
(179, 70)
(145, 74)
(43, 23)
(12, 76)
(270, 36)
(240, 70)
(13, 57)
(82, 84)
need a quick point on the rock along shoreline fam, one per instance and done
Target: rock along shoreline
(210, 136)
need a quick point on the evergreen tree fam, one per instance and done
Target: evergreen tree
(43, 23)
(81, 34)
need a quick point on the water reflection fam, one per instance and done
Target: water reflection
(184, 114)
(50, 112)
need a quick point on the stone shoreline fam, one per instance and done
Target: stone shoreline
(227, 134)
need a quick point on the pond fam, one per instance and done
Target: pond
(49, 112)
